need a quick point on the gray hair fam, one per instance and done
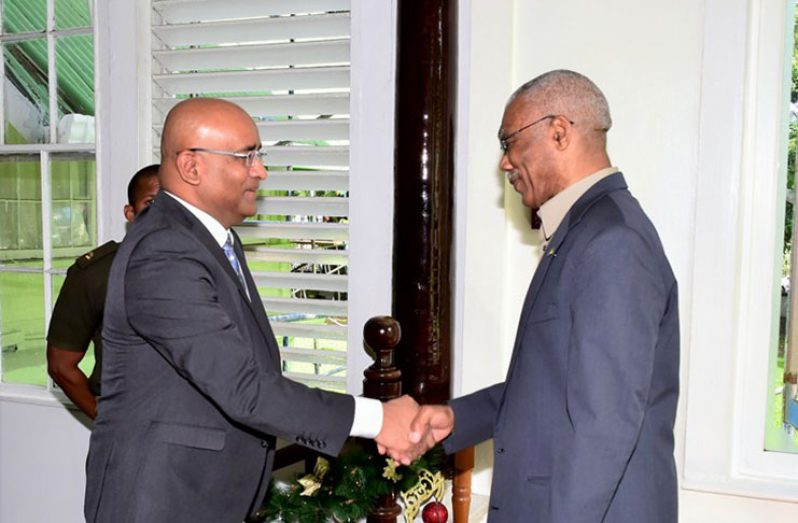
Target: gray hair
(570, 94)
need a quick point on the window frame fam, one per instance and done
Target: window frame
(371, 171)
(49, 395)
(737, 252)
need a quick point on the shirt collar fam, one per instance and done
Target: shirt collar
(213, 225)
(554, 210)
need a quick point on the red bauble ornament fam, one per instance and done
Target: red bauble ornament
(435, 512)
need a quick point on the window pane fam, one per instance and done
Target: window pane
(8, 184)
(22, 16)
(21, 217)
(25, 97)
(74, 208)
(22, 328)
(72, 13)
(781, 429)
(75, 66)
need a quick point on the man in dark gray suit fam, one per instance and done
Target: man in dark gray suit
(193, 396)
(582, 426)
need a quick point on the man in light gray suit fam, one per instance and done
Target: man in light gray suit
(582, 426)
(193, 396)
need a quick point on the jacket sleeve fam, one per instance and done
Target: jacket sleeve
(174, 300)
(474, 418)
(620, 298)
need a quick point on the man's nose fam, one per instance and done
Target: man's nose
(504, 163)
(259, 170)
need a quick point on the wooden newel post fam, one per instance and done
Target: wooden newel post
(383, 381)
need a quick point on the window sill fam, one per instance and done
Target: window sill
(34, 395)
(771, 488)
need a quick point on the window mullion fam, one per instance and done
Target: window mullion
(52, 74)
(47, 245)
(2, 86)
(47, 242)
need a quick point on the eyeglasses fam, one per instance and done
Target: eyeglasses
(504, 142)
(248, 157)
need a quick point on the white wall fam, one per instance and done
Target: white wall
(690, 85)
(42, 460)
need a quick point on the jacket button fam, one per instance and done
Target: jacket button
(264, 443)
(500, 451)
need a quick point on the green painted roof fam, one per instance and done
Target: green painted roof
(26, 62)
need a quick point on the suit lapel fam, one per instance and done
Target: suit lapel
(255, 304)
(529, 302)
(534, 288)
(184, 217)
(572, 218)
(181, 215)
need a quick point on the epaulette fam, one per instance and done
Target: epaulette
(96, 254)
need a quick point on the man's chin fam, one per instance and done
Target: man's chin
(527, 198)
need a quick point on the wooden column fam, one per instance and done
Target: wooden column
(424, 160)
(426, 79)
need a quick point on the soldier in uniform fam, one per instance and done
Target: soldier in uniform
(77, 316)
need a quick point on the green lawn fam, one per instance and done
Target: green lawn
(22, 326)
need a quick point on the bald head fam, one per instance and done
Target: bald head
(204, 144)
(195, 118)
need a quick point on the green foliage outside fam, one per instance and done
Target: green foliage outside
(791, 148)
(776, 437)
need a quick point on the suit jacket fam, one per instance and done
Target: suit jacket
(583, 423)
(193, 395)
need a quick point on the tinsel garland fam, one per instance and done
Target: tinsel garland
(347, 489)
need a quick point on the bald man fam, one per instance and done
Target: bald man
(582, 426)
(193, 396)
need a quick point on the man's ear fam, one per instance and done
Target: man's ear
(562, 132)
(187, 167)
(129, 214)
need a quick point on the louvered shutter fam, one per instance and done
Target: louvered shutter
(287, 63)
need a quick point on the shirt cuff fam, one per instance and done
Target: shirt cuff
(368, 418)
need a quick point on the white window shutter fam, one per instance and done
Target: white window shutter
(287, 63)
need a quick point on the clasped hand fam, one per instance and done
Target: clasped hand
(409, 430)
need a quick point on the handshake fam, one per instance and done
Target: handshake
(409, 430)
